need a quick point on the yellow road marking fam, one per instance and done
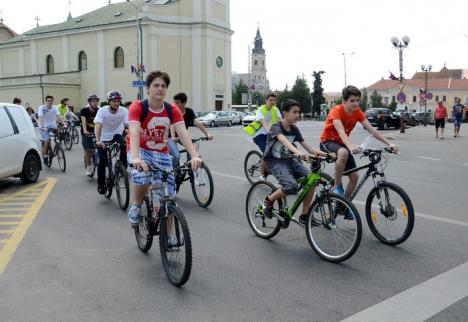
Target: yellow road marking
(18, 234)
(9, 223)
(6, 231)
(13, 206)
(3, 241)
(11, 216)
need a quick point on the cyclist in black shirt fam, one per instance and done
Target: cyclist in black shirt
(87, 115)
(180, 100)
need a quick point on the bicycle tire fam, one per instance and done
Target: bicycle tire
(335, 224)
(67, 140)
(202, 200)
(75, 136)
(121, 173)
(183, 248)
(109, 180)
(50, 157)
(259, 191)
(62, 162)
(94, 161)
(407, 211)
(252, 168)
(143, 232)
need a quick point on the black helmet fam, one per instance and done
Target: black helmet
(92, 97)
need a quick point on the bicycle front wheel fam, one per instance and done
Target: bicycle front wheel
(389, 213)
(252, 163)
(122, 186)
(175, 246)
(143, 232)
(61, 158)
(333, 228)
(261, 225)
(109, 182)
(75, 136)
(202, 186)
(67, 140)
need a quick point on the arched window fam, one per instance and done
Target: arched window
(255, 62)
(50, 64)
(118, 57)
(82, 61)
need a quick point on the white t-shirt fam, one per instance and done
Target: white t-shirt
(112, 124)
(267, 120)
(49, 116)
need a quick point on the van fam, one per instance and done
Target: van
(20, 147)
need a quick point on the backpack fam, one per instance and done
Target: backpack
(145, 110)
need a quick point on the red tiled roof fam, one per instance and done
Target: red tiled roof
(443, 73)
(444, 83)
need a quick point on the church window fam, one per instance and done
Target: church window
(82, 61)
(255, 62)
(50, 64)
(263, 63)
(118, 57)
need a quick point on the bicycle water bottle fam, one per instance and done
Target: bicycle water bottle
(365, 144)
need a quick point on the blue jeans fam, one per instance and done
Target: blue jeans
(174, 151)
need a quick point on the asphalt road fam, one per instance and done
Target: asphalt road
(78, 261)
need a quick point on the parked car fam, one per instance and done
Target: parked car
(200, 114)
(236, 118)
(216, 118)
(419, 117)
(248, 118)
(19, 143)
(383, 118)
(407, 117)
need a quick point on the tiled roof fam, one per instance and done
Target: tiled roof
(445, 83)
(443, 73)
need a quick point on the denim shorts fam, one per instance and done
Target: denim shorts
(287, 172)
(45, 136)
(457, 122)
(164, 161)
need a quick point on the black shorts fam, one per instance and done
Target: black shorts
(331, 146)
(440, 123)
(86, 141)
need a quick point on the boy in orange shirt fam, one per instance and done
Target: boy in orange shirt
(335, 137)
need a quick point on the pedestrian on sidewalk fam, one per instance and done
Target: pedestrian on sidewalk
(440, 116)
(457, 116)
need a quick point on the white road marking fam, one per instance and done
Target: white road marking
(229, 176)
(465, 163)
(421, 301)
(428, 158)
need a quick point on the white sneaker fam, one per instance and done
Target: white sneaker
(88, 170)
(261, 178)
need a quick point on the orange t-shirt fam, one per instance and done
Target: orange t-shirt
(329, 132)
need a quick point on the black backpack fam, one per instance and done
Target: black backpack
(145, 110)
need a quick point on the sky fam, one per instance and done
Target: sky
(302, 36)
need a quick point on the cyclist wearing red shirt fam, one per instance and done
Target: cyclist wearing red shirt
(335, 137)
(148, 139)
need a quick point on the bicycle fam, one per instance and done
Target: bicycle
(116, 176)
(94, 155)
(201, 180)
(56, 151)
(252, 163)
(168, 222)
(381, 222)
(329, 234)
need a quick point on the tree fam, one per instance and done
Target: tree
(317, 95)
(393, 105)
(301, 93)
(283, 95)
(237, 93)
(257, 98)
(364, 99)
(376, 99)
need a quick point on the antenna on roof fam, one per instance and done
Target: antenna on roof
(1, 16)
(37, 20)
(110, 2)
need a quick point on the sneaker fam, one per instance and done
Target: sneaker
(338, 189)
(134, 214)
(46, 159)
(261, 178)
(267, 208)
(88, 170)
(101, 189)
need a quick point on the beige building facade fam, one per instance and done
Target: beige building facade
(93, 53)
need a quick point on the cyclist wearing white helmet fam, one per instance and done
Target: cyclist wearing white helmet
(87, 115)
(110, 122)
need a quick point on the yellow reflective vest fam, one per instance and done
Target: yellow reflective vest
(253, 127)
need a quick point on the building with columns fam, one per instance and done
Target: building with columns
(93, 53)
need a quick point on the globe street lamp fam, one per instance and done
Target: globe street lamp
(400, 45)
(344, 61)
(426, 70)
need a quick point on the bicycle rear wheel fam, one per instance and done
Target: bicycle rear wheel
(175, 246)
(143, 232)
(75, 136)
(252, 165)
(50, 156)
(109, 182)
(202, 186)
(330, 235)
(390, 213)
(261, 225)
(122, 186)
(67, 140)
(62, 162)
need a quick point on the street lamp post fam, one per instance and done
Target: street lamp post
(400, 45)
(139, 49)
(426, 70)
(344, 62)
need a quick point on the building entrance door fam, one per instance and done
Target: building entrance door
(219, 105)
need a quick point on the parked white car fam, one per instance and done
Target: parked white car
(19, 143)
(248, 118)
(216, 118)
(236, 118)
